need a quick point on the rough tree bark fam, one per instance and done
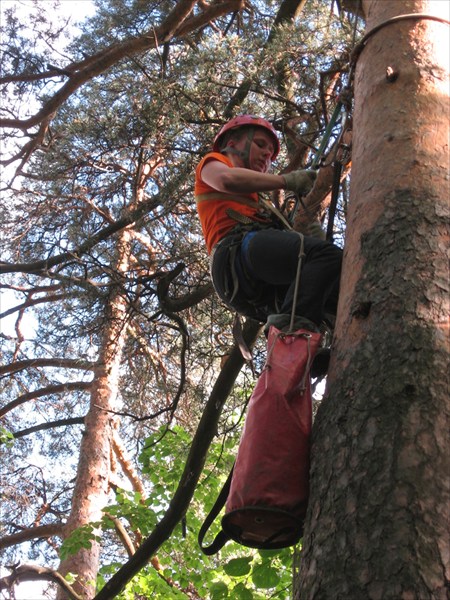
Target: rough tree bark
(378, 516)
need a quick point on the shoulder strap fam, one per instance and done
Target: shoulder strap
(221, 538)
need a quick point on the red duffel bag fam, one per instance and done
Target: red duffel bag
(267, 491)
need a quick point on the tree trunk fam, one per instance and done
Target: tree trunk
(378, 516)
(92, 484)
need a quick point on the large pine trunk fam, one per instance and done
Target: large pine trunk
(92, 484)
(377, 524)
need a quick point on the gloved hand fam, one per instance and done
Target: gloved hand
(301, 182)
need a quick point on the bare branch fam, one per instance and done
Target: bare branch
(33, 302)
(127, 468)
(65, 363)
(50, 425)
(31, 533)
(127, 542)
(36, 573)
(214, 11)
(53, 72)
(178, 304)
(51, 389)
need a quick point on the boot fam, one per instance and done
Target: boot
(319, 367)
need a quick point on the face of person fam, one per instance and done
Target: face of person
(260, 152)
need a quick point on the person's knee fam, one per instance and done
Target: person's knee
(322, 251)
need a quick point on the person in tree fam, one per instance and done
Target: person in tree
(254, 254)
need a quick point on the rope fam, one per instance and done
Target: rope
(347, 92)
(327, 134)
(301, 255)
(334, 198)
(417, 16)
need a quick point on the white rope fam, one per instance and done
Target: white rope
(301, 254)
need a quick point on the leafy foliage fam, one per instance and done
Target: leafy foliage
(237, 573)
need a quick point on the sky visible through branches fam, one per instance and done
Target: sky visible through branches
(75, 11)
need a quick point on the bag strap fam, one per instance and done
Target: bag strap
(221, 538)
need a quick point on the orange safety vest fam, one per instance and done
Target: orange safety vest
(213, 207)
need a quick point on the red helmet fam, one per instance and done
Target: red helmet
(245, 120)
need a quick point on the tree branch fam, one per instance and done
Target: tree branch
(31, 533)
(127, 468)
(76, 253)
(318, 200)
(50, 425)
(65, 363)
(33, 302)
(175, 25)
(213, 12)
(122, 533)
(84, 71)
(173, 305)
(51, 389)
(289, 10)
(36, 573)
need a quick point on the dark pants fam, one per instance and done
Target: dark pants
(265, 263)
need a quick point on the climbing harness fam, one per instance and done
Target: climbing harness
(267, 210)
(243, 291)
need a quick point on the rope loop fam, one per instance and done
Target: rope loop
(356, 52)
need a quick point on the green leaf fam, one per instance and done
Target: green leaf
(81, 537)
(265, 577)
(6, 437)
(240, 592)
(218, 590)
(237, 567)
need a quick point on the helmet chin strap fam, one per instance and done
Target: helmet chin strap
(244, 154)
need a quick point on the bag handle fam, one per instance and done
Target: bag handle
(221, 538)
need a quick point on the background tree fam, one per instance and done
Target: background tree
(124, 374)
(379, 507)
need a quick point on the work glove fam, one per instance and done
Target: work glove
(301, 182)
